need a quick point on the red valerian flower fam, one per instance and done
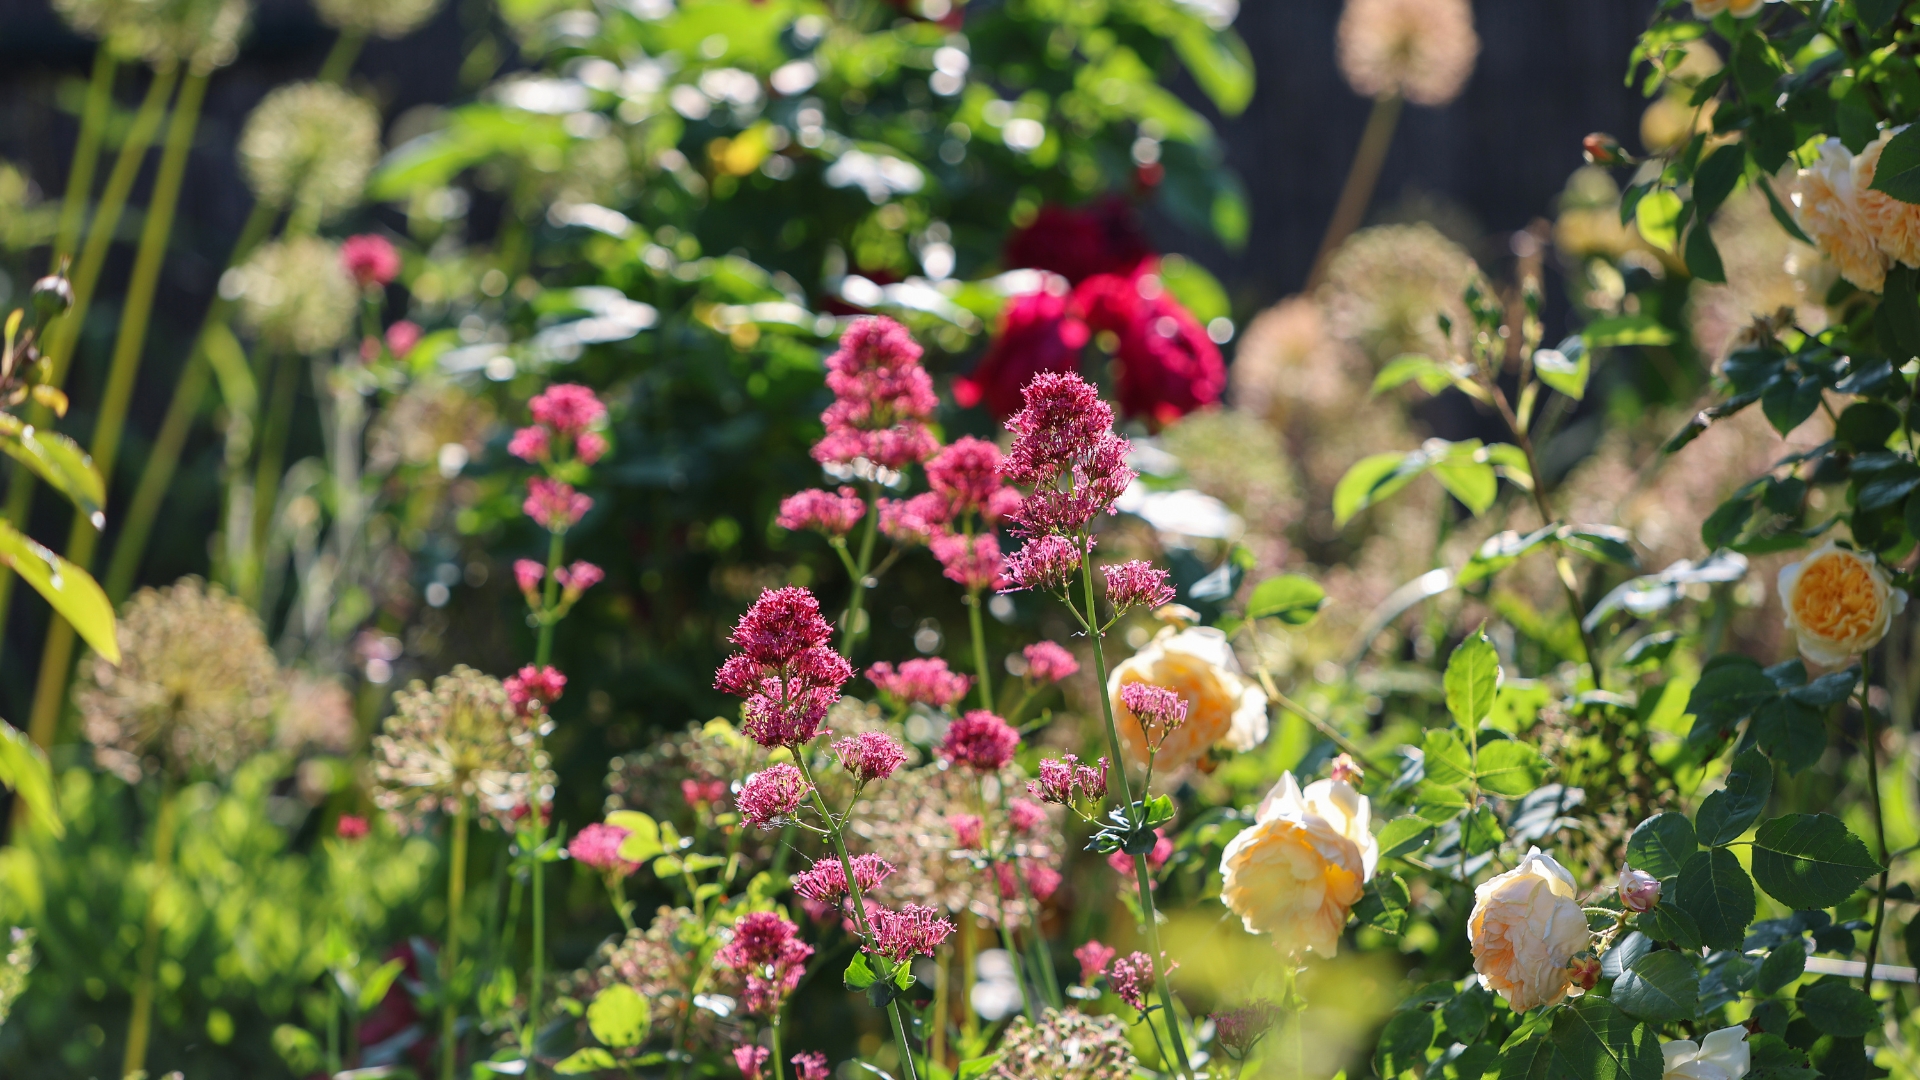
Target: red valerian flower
(1094, 958)
(350, 827)
(920, 682)
(882, 399)
(1064, 448)
(1045, 562)
(869, 756)
(911, 931)
(967, 476)
(598, 846)
(1132, 978)
(832, 513)
(1049, 662)
(1038, 333)
(1103, 238)
(1065, 779)
(542, 685)
(785, 669)
(772, 794)
(811, 1065)
(530, 443)
(981, 741)
(751, 1059)
(974, 564)
(914, 521)
(968, 831)
(1137, 583)
(402, 336)
(567, 408)
(826, 881)
(554, 504)
(369, 259)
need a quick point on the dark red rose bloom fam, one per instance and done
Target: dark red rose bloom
(1078, 243)
(1037, 334)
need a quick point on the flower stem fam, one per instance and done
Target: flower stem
(339, 62)
(450, 954)
(542, 655)
(1136, 814)
(1870, 738)
(140, 1021)
(856, 603)
(1371, 154)
(836, 830)
(980, 649)
(86, 154)
(779, 1067)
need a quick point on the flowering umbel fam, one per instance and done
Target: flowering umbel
(912, 930)
(461, 739)
(766, 949)
(1064, 449)
(826, 881)
(771, 795)
(882, 400)
(785, 670)
(981, 741)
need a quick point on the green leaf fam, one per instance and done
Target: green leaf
(1626, 330)
(1439, 803)
(1480, 831)
(1510, 768)
(1876, 14)
(59, 461)
(1384, 904)
(374, 991)
(1835, 1007)
(1446, 758)
(24, 768)
(1669, 924)
(1730, 688)
(1810, 861)
(974, 1068)
(1713, 181)
(1780, 214)
(1195, 288)
(1404, 835)
(1601, 543)
(590, 1060)
(1565, 368)
(1867, 425)
(1897, 319)
(1530, 1060)
(618, 1017)
(1467, 1014)
(1898, 173)
(1715, 890)
(1220, 63)
(1594, 1040)
(643, 835)
(1499, 552)
(1662, 844)
(1703, 256)
(1373, 478)
(1791, 733)
(71, 590)
(1658, 218)
(1291, 598)
(1727, 813)
(1661, 986)
(1404, 1043)
(1787, 962)
(1472, 680)
(1474, 483)
(859, 974)
(1430, 374)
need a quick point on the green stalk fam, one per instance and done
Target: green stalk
(850, 624)
(450, 955)
(129, 342)
(140, 1022)
(188, 394)
(835, 831)
(340, 58)
(980, 650)
(86, 154)
(1870, 736)
(285, 372)
(59, 347)
(1140, 873)
(542, 655)
(1362, 175)
(779, 1067)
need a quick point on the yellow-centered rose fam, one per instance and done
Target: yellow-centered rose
(1525, 928)
(1838, 603)
(1298, 871)
(1224, 707)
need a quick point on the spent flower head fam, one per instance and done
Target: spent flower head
(376, 18)
(310, 145)
(195, 691)
(294, 294)
(1065, 1045)
(460, 739)
(1422, 50)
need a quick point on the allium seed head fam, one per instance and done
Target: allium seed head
(310, 145)
(295, 295)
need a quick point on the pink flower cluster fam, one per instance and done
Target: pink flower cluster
(1132, 978)
(969, 832)
(1041, 880)
(981, 741)
(869, 756)
(699, 793)
(811, 1065)
(920, 682)
(785, 670)
(772, 794)
(767, 950)
(911, 931)
(1064, 448)
(532, 686)
(1239, 1028)
(1025, 816)
(1136, 583)
(1064, 779)
(598, 846)
(369, 259)
(1094, 958)
(350, 827)
(1049, 662)
(1045, 562)
(1159, 709)
(832, 513)
(826, 881)
(967, 489)
(554, 504)
(882, 399)
(974, 563)
(751, 1059)
(564, 416)
(574, 580)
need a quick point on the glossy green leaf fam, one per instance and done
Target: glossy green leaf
(1670, 925)
(1661, 986)
(1498, 552)
(581, 1062)
(1727, 813)
(1836, 1007)
(374, 991)
(1472, 679)
(1403, 1045)
(71, 590)
(860, 974)
(1373, 478)
(619, 1017)
(1658, 218)
(1220, 63)
(1384, 904)
(1510, 768)
(1715, 890)
(1291, 598)
(59, 461)
(643, 835)
(1594, 1040)
(24, 769)
(1810, 861)
(1474, 483)
(1662, 844)
(1446, 757)
(1787, 962)
(1898, 172)
(1430, 374)
(1565, 368)
(1404, 835)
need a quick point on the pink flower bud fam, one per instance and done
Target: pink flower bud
(350, 827)
(1585, 971)
(402, 336)
(590, 447)
(529, 574)
(1639, 890)
(530, 443)
(1346, 770)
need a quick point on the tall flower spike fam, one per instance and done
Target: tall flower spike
(882, 399)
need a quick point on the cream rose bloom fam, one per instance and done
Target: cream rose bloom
(1525, 928)
(1826, 203)
(1895, 225)
(1298, 871)
(1707, 9)
(1838, 603)
(1224, 707)
(1722, 1055)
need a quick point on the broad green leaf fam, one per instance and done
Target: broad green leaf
(580, 1062)
(1472, 680)
(860, 974)
(1791, 733)
(1715, 178)
(1446, 758)
(60, 462)
(1594, 1040)
(1715, 890)
(1601, 543)
(1467, 1014)
(1373, 478)
(1565, 368)
(1727, 813)
(1291, 598)
(1195, 288)
(1510, 768)
(1626, 330)
(619, 1017)
(24, 768)
(1658, 218)
(1703, 255)
(1661, 986)
(1384, 904)
(71, 590)
(1773, 1059)
(1430, 374)
(1898, 172)
(1473, 482)
(1662, 844)
(1669, 924)
(1787, 962)
(1810, 861)
(1730, 688)
(1220, 64)
(1404, 835)
(1439, 803)
(1403, 1045)
(643, 835)
(1837, 1008)
(377, 984)
(1480, 831)
(1499, 552)
(1530, 1060)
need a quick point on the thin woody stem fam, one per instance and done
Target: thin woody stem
(1870, 738)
